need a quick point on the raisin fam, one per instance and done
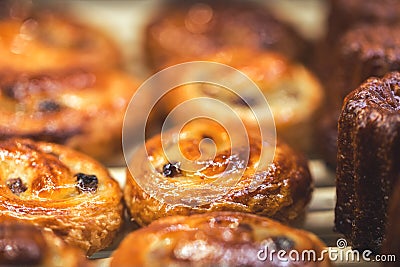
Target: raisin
(16, 186)
(86, 182)
(171, 169)
(283, 243)
(49, 106)
(245, 227)
(248, 101)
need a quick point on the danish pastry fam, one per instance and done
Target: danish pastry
(293, 93)
(47, 40)
(81, 109)
(280, 189)
(192, 29)
(368, 152)
(217, 239)
(26, 245)
(55, 187)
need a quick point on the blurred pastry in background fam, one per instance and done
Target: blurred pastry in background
(41, 39)
(368, 154)
(26, 245)
(345, 14)
(326, 135)
(161, 186)
(81, 109)
(292, 92)
(364, 51)
(192, 29)
(217, 239)
(52, 186)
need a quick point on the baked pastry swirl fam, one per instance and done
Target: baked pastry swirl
(293, 93)
(26, 245)
(192, 29)
(81, 109)
(368, 153)
(47, 40)
(280, 189)
(215, 239)
(55, 187)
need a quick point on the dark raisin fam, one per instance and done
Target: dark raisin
(171, 169)
(244, 102)
(16, 186)
(86, 182)
(245, 227)
(283, 243)
(49, 106)
(8, 91)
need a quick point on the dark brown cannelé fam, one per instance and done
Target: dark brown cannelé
(364, 51)
(392, 242)
(368, 153)
(344, 14)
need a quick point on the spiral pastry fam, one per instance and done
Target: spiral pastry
(81, 109)
(280, 189)
(293, 93)
(26, 245)
(47, 40)
(55, 187)
(215, 239)
(192, 29)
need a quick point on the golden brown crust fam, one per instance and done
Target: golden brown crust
(81, 109)
(53, 187)
(293, 93)
(50, 40)
(214, 239)
(27, 245)
(279, 190)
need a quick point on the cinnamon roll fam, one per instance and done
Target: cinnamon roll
(47, 40)
(81, 109)
(26, 245)
(280, 189)
(54, 187)
(217, 239)
(192, 29)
